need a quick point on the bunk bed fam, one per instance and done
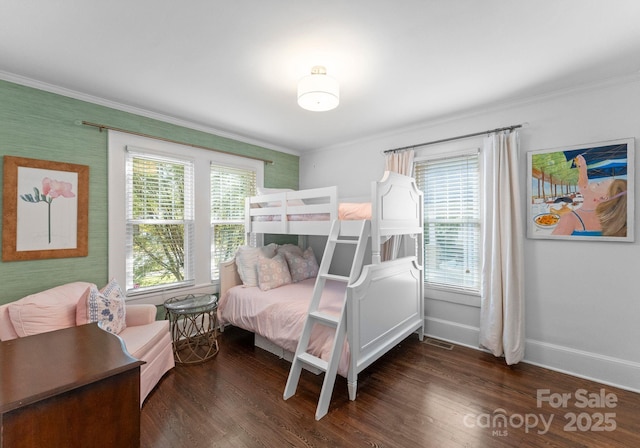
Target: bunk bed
(384, 299)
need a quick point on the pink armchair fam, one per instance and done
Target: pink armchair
(144, 337)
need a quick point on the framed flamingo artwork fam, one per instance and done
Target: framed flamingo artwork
(582, 192)
(44, 209)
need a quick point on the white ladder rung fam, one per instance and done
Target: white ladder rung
(314, 316)
(338, 278)
(339, 241)
(327, 319)
(314, 361)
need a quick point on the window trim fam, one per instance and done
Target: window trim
(117, 143)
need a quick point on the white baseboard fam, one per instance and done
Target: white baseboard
(603, 369)
(453, 332)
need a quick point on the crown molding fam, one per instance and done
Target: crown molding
(484, 109)
(40, 85)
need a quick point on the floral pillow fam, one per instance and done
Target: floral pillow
(289, 249)
(247, 262)
(106, 306)
(302, 266)
(273, 272)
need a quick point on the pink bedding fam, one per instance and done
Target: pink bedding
(279, 315)
(347, 211)
(354, 211)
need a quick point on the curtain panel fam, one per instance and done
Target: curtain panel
(400, 162)
(502, 301)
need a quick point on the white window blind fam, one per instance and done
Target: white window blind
(229, 188)
(160, 221)
(452, 221)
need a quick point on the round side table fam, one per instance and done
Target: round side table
(193, 327)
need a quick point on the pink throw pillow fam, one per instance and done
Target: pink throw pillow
(272, 272)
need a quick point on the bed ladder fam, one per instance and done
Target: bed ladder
(314, 316)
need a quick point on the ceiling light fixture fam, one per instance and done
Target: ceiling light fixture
(318, 92)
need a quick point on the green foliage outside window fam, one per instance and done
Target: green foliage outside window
(159, 222)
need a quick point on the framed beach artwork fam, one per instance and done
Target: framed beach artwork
(45, 209)
(582, 192)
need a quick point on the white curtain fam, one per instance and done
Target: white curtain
(400, 162)
(502, 302)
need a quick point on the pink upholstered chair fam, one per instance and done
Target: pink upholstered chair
(144, 337)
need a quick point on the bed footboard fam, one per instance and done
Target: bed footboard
(384, 306)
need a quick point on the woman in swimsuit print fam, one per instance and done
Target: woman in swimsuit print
(613, 211)
(584, 221)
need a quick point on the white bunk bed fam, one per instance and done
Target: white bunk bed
(385, 303)
(395, 209)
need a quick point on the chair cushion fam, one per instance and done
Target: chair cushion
(53, 309)
(141, 339)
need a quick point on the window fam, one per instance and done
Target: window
(229, 188)
(160, 221)
(452, 221)
(175, 212)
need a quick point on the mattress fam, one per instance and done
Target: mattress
(279, 315)
(347, 211)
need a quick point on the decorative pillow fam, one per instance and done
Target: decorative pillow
(289, 249)
(53, 309)
(106, 306)
(302, 267)
(273, 272)
(247, 262)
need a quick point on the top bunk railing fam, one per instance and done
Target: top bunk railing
(396, 209)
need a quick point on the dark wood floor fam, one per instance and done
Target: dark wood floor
(417, 395)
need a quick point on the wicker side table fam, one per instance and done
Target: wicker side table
(193, 327)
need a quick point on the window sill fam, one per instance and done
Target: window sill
(158, 297)
(452, 296)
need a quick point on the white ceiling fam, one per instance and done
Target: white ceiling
(233, 66)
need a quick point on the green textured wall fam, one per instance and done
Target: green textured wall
(42, 125)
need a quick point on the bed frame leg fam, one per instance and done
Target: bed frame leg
(352, 386)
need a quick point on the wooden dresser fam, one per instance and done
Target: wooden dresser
(76, 387)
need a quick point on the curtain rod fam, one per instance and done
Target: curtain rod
(460, 137)
(140, 134)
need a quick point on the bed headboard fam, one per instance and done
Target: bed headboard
(228, 275)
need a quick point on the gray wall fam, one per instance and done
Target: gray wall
(582, 301)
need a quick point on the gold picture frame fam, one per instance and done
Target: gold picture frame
(45, 212)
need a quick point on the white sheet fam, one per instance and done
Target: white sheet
(279, 315)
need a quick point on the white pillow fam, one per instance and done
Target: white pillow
(247, 262)
(273, 272)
